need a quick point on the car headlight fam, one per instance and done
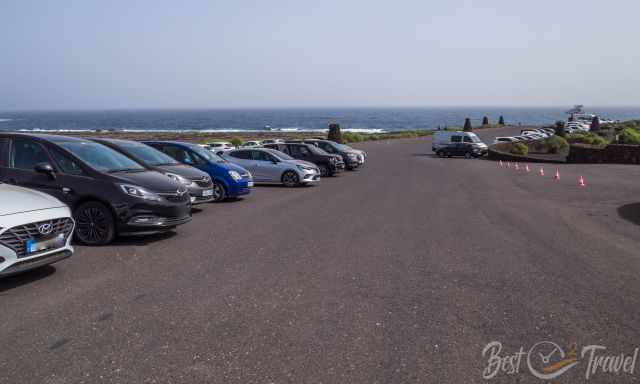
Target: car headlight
(235, 175)
(352, 156)
(180, 179)
(135, 191)
(304, 167)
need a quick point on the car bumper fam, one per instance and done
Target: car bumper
(149, 218)
(10, 264)
(309, 177)
(200, 195)
(240, 188)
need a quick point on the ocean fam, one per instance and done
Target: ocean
(291, 119)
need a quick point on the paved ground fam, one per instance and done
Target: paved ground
(400, 272)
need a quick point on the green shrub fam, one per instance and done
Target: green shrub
(236, 141)
(587, 138)
(520, 149)
(555, 144)
(352, 137)
(630, 136)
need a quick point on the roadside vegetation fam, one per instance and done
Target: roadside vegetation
(590, 138)
(520, 149)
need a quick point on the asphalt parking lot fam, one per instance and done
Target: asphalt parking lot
(399, 272)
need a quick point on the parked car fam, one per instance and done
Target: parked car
(198, 183)
(328, 164)
(349, 156)
(274, 167)
(229, 180)
(35, 230)
(505, 139)
(220, 146)
(444, 139)
(467, 150)
(251, 144)
(108, 193)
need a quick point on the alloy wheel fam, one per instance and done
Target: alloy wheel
(290, 179)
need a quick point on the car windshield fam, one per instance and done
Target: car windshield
(281, 155)
(147, 154)
(342, 147)
(474, 138)
(317, 151)
(207, 154)
(101, 157)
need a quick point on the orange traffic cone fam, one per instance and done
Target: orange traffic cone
(557, 176)
(502, 165)
(526, 168)
(581, 182)
(517, 167)
(508, 164)
(541, 171)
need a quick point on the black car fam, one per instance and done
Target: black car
(349, 156)
(108, 193)
(459, 149)
(328, 164)
(197, 182)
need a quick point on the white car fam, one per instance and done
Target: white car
(272, 141)
(251, 144)
(35, 230)
(498, 140)
(220, 146)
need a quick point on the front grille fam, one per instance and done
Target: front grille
(175, 197)
(202, 182)
(16, 237)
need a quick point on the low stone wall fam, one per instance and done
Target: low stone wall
(612, 153)
(502, 152)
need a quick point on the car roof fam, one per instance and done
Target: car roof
(47, 137)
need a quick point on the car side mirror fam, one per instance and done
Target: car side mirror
(188, 161)
(45, 168)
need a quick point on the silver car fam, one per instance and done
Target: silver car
(269, 166)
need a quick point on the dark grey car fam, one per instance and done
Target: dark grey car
(198, 183)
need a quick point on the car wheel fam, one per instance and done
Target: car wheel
(290, 179)
(219, 192)
(467, 155)
(95, 224)
(440, 154)
(324, 170)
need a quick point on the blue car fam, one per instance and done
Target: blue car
(229, 180)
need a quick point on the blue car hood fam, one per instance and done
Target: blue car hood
(232, 167)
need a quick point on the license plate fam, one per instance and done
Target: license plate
(33, 246)
(250, 184)
(207, 192)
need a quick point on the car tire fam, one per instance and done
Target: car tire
(324, 170)
(95, 224)
(219, 192)
(290, 179)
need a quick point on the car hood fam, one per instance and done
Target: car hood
(302, 162)
(151, 180)
(17, 199)
(184, 170)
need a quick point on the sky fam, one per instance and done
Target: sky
(94, 54)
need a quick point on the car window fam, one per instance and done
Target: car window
(147, 154)
(181, 154)
(260, 156)
(26, 153)
(467, 139)
(101, 157)
(65, 163)
(299, 150)
(240, 155)
(456, 139)
(326, 147)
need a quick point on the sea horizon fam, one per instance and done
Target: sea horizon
(299, 119)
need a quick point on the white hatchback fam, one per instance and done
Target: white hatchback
(35, 230)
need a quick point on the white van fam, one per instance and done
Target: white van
(35, 230)
(443, 139)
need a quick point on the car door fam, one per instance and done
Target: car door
(298, 151)
(24, 154)
(263, 164)
(72, 179)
